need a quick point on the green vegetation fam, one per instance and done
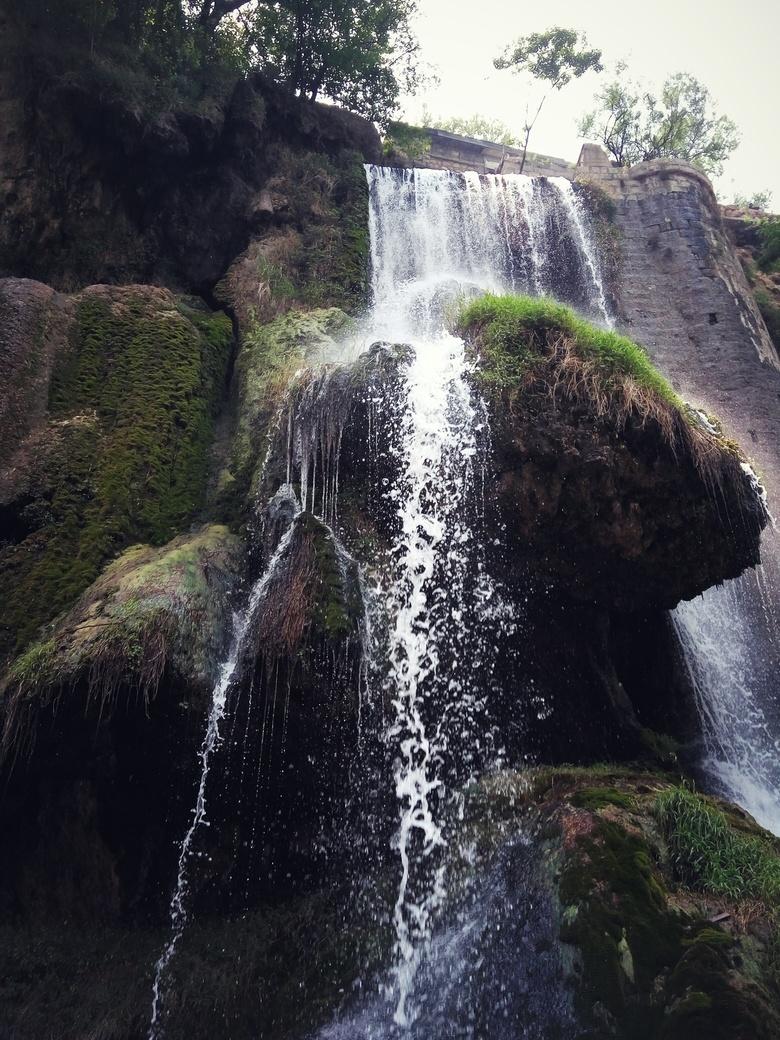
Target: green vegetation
(769, 256)
(132, 404)
(321, 258)
(478, 126)
(617, 914)
(271, 355)
(515, 333)
(311, 597)
(149, 610)
(770, 312)
(758, 200)
(411, 141)
(361, 53)
(635, 126)
(554, 57)
(595, 798)
(708, 853)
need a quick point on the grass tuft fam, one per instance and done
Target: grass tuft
(707, 853)
(530, 344)
(515, 331)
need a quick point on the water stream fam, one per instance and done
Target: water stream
(730, 639)
(228, 674)
(436, 237)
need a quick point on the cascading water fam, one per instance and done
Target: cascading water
(435, 237)
(730, 639)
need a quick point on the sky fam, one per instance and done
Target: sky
(731, 47)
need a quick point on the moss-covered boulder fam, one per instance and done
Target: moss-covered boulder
(312, 248)
(107, 429)
(270, 357)
(607, 483)
(654, 940)
(166, 178)
(152, 613)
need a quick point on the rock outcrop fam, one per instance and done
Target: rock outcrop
(105, 181)
(109, 413)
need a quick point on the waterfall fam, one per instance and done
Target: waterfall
(731, 645)
(436, 237)
(437, 234)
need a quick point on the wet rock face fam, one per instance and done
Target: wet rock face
(617, 516)
(106, 425)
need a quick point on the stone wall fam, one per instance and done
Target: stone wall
(455, 152)
(682, 293)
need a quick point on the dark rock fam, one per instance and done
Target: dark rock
(142, 195)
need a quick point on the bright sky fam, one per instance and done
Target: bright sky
(731, 47)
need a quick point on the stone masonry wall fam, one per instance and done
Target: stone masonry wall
(684, 297)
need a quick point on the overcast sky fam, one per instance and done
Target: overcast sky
(731, 47)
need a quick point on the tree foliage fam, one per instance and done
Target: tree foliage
(635, 125)
(482, 127)
(358, 53)
(758, 200)
(553, 57)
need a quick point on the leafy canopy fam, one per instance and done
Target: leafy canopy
(758, 200)
(555, 56)
(357, 53)
(635, 125)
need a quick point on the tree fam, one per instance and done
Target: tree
(211, 12)
(555, 57)
(634, 125)
(478, 126)
(358, 53)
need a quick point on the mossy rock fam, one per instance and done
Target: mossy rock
(152, 612)
(596, 798)
(125, 456)
(270, 356)
(649, 969)
(312, 596)
(319, 255)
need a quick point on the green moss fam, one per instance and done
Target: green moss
(149, 610)
(770, 312)
(660, 747)
(708, 853)
(621, 909)
(327, 265)
(769, 233)
(271, 354)
(335, 601)
(595, 798)
(132, 404)
(514, 332)
(703, 1001)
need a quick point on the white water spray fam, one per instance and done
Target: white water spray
(435, 238)
(731, 644)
